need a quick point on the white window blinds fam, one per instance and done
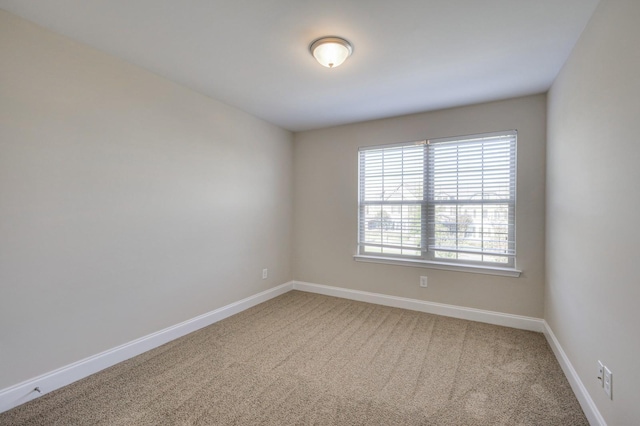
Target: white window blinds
(392, 199)
(447, 200)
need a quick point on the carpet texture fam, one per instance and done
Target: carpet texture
(303, 358)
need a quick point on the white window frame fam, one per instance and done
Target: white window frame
(424, 254)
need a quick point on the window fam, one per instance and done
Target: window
(445, 201)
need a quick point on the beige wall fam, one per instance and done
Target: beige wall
(593, 235)
(127, 203)
(325, 208)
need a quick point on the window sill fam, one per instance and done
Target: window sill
(487, 270)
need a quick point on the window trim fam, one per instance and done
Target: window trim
(426, 260)
(430, 264)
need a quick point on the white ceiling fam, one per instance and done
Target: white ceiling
(409, 55)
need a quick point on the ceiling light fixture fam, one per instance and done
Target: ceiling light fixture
(331, 51)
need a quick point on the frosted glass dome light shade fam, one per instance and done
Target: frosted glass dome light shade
(331, 51)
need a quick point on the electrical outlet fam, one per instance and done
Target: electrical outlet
(608, 382)
(601, 372)
(265, 273)
(423, 281)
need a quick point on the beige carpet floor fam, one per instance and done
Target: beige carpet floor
(303, 359)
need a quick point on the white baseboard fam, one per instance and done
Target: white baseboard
(587, 404)
(19, 394)
(490, 317)
(23, 392)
